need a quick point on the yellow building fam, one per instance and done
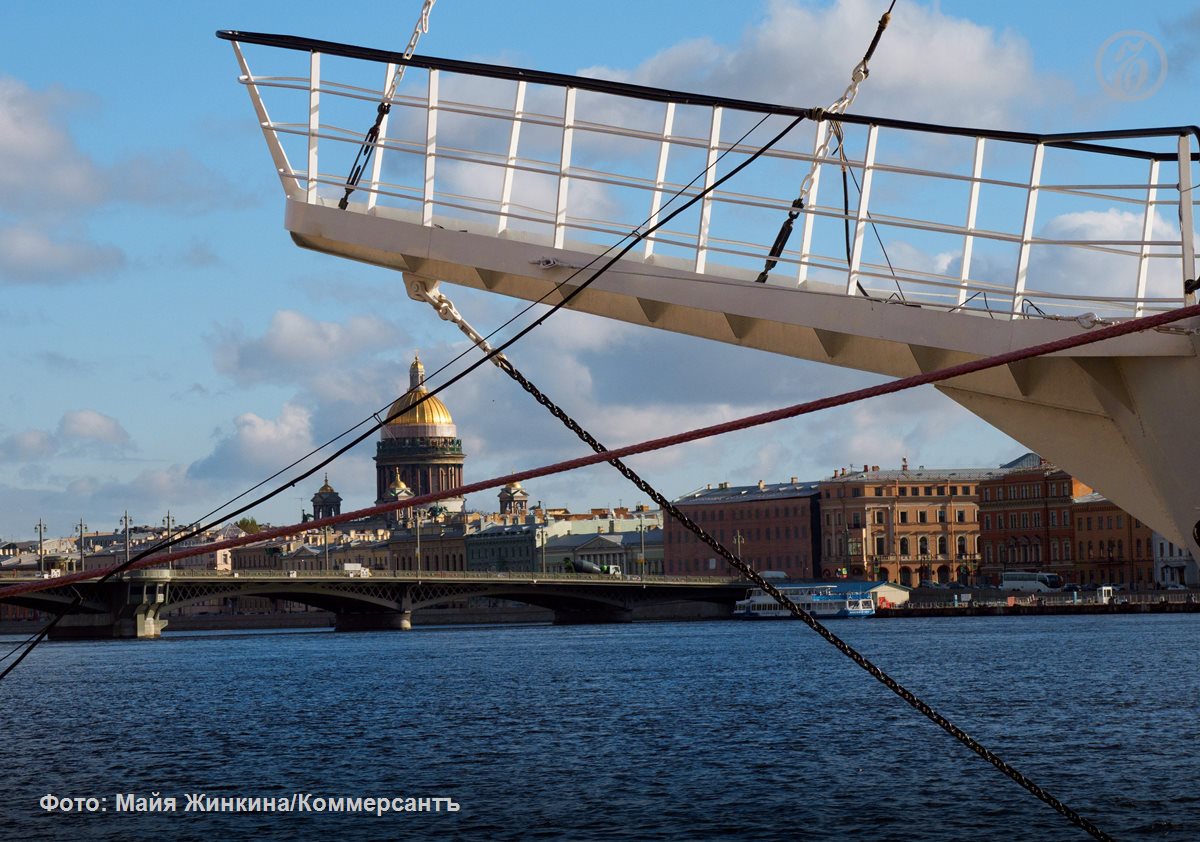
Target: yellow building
(907, 526)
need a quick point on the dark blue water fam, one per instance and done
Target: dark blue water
(664, 731)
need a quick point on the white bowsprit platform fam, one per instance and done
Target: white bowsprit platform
(921, 246)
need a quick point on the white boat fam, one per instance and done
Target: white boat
(821, 601)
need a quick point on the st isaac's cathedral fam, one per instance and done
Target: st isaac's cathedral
(419, 451)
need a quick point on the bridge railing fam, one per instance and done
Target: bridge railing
(424, 576)
(998, 224)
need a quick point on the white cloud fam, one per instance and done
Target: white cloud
(42, 166)
(929, 66)
(79, 432)
(258, 446)
(296, 347)
(87, 425)
(28, 254)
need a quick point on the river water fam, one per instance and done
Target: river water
(641, 732)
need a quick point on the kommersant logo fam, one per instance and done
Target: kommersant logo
(1131, 65)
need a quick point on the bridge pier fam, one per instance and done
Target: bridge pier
(140, 626)
(381, 621)
(592, 614)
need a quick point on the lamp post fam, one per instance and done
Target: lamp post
(41, 533)
(169, 523)
(82, 530)
(417, 521)
(738, 540)
(125, 522)
(642, 555)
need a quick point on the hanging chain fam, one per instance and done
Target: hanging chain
(836, 109)
(421, 290)
(367, 150)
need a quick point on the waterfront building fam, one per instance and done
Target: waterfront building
(769, 526)
(1112, 547)
(1173, 565)
(1025, 520)
(905, 526)
(419, 447)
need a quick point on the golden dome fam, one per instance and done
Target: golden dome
(429, 411)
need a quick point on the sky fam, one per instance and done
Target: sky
(167, 346)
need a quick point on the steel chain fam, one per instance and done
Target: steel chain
(846, 649)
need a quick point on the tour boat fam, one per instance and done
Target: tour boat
(821, 601)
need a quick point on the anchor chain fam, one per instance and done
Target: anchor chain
(421, 291)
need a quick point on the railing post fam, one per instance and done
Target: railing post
(811, 202)
(377, 159)
(861, 218)
(964, 272)
(1147, 236)
(710, 177)
(1035, 180)
(430, 149)
(314, 124)
(1187, 225)
(514, 139)
(660, 176)
(564, 164)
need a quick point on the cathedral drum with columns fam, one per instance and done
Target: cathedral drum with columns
(419, 446)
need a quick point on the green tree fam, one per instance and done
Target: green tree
(248, 525)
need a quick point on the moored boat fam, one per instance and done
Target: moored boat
(821, 601)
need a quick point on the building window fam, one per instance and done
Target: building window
(1053, 517)
(922, 516)
(941, 515)
(1037, 519)
(904, 516)
(987, 494)
(1024, 520)
(987, 522)
(960, 516)
(904, 491)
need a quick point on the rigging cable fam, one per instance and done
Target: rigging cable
(838, 107)
(611, 456)
(142, 558)
(447, 311)
(367, 150)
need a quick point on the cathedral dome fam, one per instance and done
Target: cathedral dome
(408, 412)
(429, 411)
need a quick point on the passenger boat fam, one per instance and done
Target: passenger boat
(821, 601)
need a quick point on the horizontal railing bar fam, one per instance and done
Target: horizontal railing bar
(1071, 140)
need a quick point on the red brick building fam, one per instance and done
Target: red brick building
(1026, 521)
(1112, 546)
(771, 527)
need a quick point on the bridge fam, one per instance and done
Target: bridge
(135, 604)
(918, 247)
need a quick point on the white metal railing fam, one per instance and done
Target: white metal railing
(996, 223)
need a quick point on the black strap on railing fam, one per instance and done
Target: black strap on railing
(781, 239)
(364, 154)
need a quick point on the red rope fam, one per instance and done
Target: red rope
(1067, 343)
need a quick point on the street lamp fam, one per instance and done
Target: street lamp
(642, 556)
(417, 521)
(82, 531)
(41, 532)
(124, 521)
(169, 523)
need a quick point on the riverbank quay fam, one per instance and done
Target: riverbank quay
(998, 605)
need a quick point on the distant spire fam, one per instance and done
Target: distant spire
(416, 373)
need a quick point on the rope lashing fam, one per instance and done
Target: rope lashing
(371, 139)
(839, 106)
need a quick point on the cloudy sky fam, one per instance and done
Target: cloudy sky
(167, 346)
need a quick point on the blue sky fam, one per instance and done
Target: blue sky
(167, 346)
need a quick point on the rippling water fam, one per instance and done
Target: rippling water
(654, 731)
